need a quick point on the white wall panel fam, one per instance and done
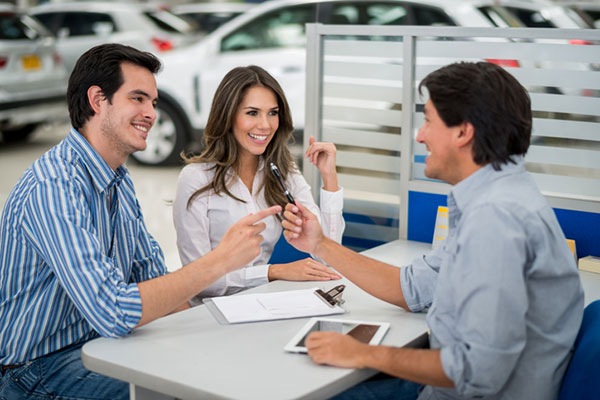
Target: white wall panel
(363, 115)
(392, 94)
(565, 104)
(391, 72)
(363, 48)
(362, 86)
(362, 138)
(582, 158)
(581, 130)
(369, 184)
(372, 162)
(559, 52)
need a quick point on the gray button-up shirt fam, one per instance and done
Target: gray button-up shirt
(504, 295)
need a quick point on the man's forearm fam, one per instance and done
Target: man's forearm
(417, 365)
(169, 293)
(377, 278)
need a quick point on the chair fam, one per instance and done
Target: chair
(284, 253)
(581, 380)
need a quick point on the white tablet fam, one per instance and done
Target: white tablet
(365, 331)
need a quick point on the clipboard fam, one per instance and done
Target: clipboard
(273, 306)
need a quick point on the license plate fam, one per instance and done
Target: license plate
(31, 62)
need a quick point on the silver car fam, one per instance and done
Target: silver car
(80, 26)
(32, 76)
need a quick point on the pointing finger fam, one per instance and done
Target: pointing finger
(259, 227)
(254, 218)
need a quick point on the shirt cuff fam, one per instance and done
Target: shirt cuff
(130, 305)
(332, 202)
(256, 275)
(409, 291)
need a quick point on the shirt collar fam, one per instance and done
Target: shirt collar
(467, 189)
(102, 175)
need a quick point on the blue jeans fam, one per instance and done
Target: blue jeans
(60, 376)
(382, 387)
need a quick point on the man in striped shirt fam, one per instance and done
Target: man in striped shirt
(76, 259)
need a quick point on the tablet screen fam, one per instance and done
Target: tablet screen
(361, 330)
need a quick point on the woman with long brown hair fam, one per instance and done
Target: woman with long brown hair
(249, 127)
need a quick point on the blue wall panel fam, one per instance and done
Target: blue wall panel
(422, 210)
(583, 227)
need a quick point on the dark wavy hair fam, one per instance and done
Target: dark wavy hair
(492, 100)
(101, 66)
(220, 145)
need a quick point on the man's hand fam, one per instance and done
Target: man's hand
(302, 270)
(301, 228)
(322, 155)
(241, 242)
(336, 349)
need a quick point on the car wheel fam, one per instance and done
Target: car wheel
(19, 134)
(166, 140)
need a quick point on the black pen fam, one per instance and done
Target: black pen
(279, 178)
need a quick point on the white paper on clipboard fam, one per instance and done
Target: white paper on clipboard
(271, 306)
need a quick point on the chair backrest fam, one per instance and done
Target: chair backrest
(582, 381)
(284, 253)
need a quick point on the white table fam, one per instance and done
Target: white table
(189, 355)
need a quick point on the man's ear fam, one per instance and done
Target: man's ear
(466, 134)
(95, 98)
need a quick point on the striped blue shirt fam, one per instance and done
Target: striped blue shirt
(73, 245)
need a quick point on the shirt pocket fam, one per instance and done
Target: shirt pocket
(219, 220)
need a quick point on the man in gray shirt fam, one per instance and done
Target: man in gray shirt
(503, 294)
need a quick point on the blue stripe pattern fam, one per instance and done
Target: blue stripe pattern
(73, 245)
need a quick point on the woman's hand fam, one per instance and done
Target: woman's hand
(302, 270)
(322, 156)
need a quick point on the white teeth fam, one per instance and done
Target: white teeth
(141, 128)
(257, 137)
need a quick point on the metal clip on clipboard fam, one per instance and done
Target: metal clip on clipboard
(332, 297)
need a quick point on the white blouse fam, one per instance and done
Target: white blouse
(201, 226)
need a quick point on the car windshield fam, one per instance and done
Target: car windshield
(17, 27)
(500, 17)
(208, 22)
(531, 18)
(169, 22)
(277, 29)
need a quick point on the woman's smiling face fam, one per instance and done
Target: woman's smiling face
(256, 121)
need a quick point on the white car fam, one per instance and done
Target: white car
(590, 12)
(271, 35)
(80, 26)
(209, 16)
(32, 76)
(543, 14)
